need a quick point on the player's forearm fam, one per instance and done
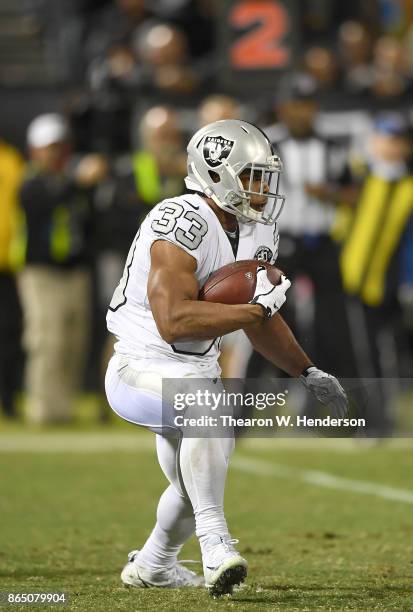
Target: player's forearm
(197, 320)
(276, 342)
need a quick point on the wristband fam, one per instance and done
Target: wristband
(308, 370)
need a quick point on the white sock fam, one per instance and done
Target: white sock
(175, 524)
(204, 463)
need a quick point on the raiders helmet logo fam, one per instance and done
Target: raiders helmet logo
(216, 149)
(263, 253)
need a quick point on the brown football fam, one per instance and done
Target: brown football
(235, 283)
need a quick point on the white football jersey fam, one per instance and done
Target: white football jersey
(188, 222)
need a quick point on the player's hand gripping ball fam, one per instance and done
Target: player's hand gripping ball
(248, 281)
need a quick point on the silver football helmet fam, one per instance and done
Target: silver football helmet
(217, 156)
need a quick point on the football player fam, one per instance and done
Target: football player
(164, 331)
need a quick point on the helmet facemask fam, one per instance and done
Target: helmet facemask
(268, 178)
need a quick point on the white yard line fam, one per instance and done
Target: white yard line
(86, 442)
(320, 479)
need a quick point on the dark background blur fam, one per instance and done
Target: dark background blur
(135, 79)
(95, 60)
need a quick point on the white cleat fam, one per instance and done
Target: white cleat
(178, 576)
(224, 567)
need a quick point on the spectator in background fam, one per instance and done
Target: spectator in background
(164, 52)
(322, 65)
(355, 44)
(355, 49)
(377, 263)
(103, 114)
(11, 357)
(54, 281)
(114, 24)
(217, 107)
(113, 75)
(321, 17)
(317, 17)
(195, 17)
(160, 158)
(390, 82)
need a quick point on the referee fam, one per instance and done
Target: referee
(313, 167)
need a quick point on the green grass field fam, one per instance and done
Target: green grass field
(324, 525)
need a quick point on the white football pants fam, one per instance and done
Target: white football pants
(195, 467)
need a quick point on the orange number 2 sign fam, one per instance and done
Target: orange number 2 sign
(263, 47)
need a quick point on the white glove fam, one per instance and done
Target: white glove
(270, 297)
(327, 390)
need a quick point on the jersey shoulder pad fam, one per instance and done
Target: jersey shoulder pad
(180, 220)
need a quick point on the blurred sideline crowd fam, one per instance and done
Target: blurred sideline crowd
(140, 78)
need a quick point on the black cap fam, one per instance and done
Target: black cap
(297, 86)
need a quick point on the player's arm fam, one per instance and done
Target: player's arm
(173, 296)
(275, 341)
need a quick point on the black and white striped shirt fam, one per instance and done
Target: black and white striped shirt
(314, 160)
